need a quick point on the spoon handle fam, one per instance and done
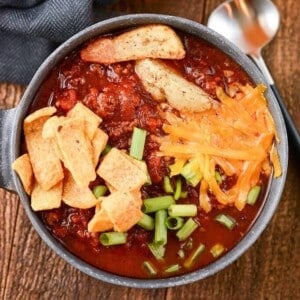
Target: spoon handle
(293, 134)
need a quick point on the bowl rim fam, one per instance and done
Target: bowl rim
(275, 188)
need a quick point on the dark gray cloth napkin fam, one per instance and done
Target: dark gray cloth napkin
(31, 29)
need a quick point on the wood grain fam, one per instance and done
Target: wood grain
(268, 270)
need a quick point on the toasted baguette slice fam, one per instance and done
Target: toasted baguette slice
(153, 41)
(164, 83)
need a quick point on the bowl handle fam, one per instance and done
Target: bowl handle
(6, 128)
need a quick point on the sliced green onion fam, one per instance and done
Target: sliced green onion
(183, 194)
(172, 268)
(218, 177)
(106, 149)
(146, 222)
(174, 223)
(113, 238)
(191, 172)
(226, 220)
(160, 230)
(217, 250)
(150, 268)
(158, 250)
(253, 195)
(99, 190)
(157, 203)
(194, 255)
(177, 192)
(167, 185)
(182, 210)
(187, 229)
(181, 253)
(138, 143)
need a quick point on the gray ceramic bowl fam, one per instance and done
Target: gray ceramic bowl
(11, 128)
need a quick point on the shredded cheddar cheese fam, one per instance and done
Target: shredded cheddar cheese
(235, 134)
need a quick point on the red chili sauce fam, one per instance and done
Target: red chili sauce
(115, 93)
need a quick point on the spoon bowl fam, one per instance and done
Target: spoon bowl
(250, 25)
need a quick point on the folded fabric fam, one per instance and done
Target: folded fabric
(31, 29)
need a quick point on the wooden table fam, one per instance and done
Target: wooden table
(268, 270)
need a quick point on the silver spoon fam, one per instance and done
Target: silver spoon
(250, 25)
